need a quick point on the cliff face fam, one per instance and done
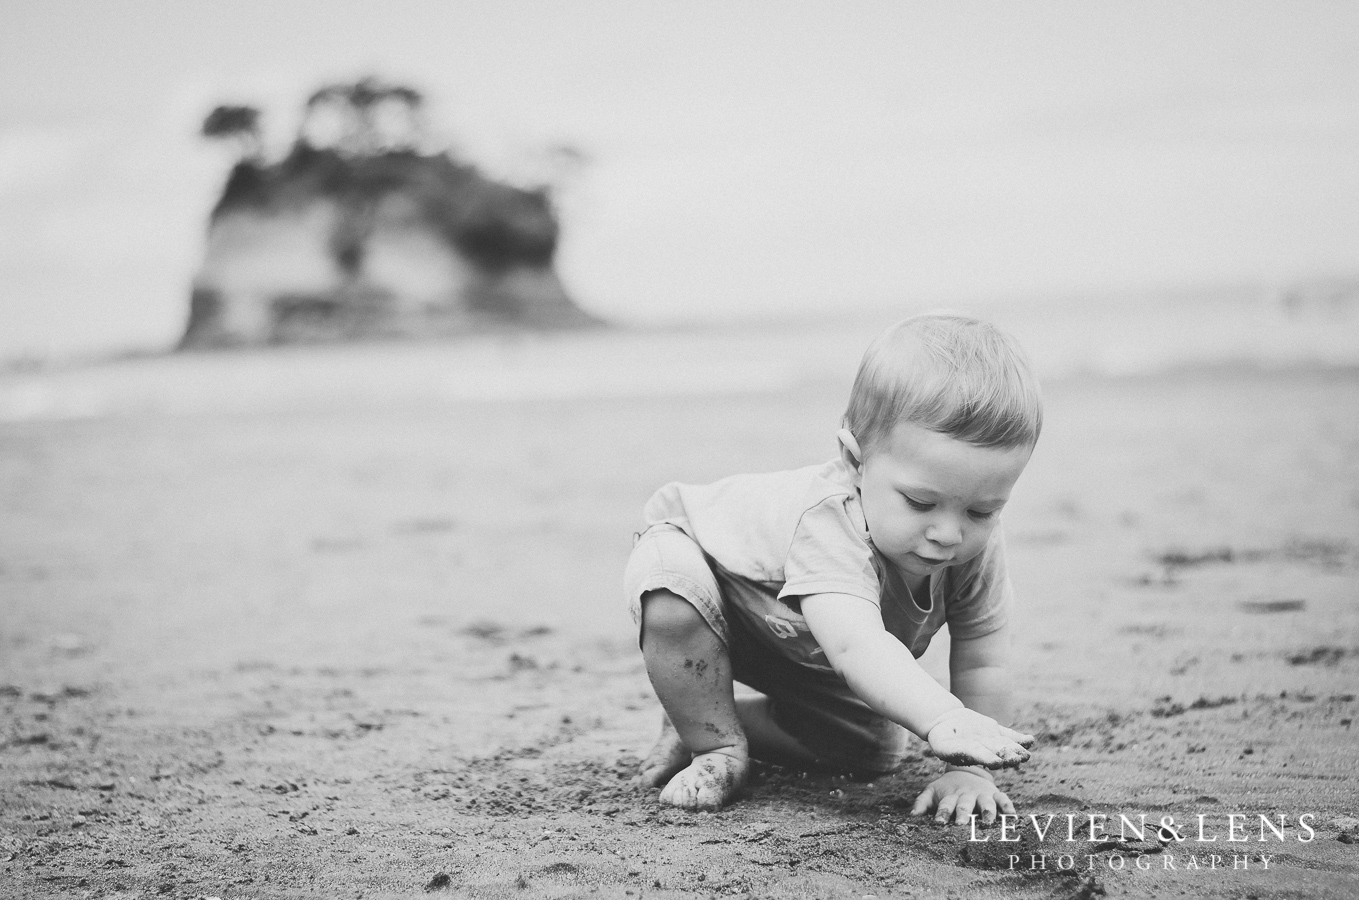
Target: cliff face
(323, 246)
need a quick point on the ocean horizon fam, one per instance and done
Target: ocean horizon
(1064, 338)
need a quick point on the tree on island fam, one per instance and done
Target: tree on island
(370, 116)
(237, 123)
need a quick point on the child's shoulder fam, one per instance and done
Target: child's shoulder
(831, 481)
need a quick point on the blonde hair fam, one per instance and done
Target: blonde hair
(950, 373)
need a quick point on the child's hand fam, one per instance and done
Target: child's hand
(966, 738)
(958, 794)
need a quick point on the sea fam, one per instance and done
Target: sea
(1066, 338)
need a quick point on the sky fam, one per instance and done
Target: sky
(743, 159)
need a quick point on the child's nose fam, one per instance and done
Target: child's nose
(946, 534)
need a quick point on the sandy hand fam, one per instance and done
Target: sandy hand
(710, 781)
(968, 738)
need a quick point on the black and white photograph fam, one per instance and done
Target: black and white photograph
(706, 450)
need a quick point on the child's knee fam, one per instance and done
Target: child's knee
(668, 618)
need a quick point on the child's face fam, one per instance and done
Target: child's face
(931, 500)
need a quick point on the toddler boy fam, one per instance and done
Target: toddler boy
(820, 587)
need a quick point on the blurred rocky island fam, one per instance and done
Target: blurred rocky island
(356, 233)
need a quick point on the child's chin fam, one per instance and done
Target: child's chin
(913, 569)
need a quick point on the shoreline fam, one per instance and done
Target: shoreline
(597, 364)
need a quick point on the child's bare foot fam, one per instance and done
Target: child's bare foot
(666, 758)
(710, 781)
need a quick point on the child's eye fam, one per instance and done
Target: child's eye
(918, 505)
(982, 515)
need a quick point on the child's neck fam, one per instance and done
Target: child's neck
(917, 587)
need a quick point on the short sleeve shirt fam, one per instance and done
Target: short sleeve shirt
(777, 537)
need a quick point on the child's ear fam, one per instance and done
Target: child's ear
(849, 451)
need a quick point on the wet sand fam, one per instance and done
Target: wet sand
(379, 651)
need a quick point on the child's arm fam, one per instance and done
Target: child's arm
(980, 677)
(884, 674)
(979, 673)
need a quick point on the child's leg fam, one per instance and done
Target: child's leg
(766, 740)
(691, 672)
(666, 758)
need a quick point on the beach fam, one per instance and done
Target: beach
(346, 622)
